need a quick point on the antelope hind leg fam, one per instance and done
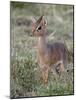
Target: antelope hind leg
(60, 68)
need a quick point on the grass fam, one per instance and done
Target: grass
(25, 73)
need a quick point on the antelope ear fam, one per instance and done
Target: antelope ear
(33, 24)
(33, 20)
(44, 22)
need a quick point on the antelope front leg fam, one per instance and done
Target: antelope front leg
(45, 72)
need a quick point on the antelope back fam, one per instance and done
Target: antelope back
(58, 52)
(39, 27)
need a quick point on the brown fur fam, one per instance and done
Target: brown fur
(48, 54)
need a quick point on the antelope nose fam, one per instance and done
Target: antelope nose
(31, 34)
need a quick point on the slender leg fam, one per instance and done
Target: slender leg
(45, 72)
(60, 68)
(46, 76)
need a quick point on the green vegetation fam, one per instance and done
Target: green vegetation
(25, 74)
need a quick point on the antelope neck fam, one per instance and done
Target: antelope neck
(42, 45)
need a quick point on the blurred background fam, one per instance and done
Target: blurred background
(25, 81)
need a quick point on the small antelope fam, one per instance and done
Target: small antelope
(48, 54)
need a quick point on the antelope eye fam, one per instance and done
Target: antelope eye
(39, 28)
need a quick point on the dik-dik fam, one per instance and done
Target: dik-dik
(48, 54)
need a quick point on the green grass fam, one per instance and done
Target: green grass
(25, 73)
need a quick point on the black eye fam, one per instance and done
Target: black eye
(39, 28)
